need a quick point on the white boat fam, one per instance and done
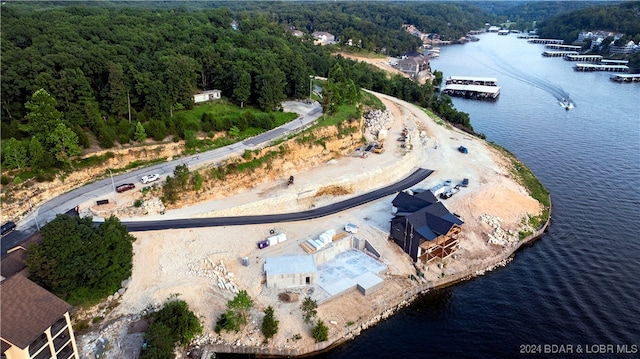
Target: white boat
(566, 104)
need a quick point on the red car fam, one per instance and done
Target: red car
(125, 187)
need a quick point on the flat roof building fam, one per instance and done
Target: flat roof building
(290, 271)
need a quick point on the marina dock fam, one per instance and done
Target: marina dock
(559, 53)
(587, 58)
(563, 47)
(601, 67)
(545, 41)
(472, 87)
(626, 78)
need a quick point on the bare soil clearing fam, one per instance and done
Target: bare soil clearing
(190, 262)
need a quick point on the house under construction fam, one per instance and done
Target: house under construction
(424, 228)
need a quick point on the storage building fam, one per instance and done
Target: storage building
(290, 271)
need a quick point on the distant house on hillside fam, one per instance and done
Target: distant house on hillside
(323, 38)
(207, 96)
(424, 228)
(415, 65)
(35, 323)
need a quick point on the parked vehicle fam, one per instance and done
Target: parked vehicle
(463, 149)
(379, 148)
(8, 227)
(150, 178)
(351, 228)
(125, 187)
(465, 182)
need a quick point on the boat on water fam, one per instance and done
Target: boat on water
(566, 104)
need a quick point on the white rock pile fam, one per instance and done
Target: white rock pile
(217, 272)
(376, 120)
(499, 236)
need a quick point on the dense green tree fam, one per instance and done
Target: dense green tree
(140, 134)
(81, 263)
(269, 323)
(309, 309)
(320, 332)
(116, 94)
(270, 83)
(174, 324)
(242, 88)
(64, 143)
(38, 156)
(14, 153)
(43, 117)
(237, 313)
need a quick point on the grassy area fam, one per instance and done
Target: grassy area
(372, 101)
(344, 112)
(224, 109)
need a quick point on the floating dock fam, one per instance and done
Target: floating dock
(563, 47)
(472, 87)
(601, 67)
(559, 53)
(587, 58)
(626, 78)
(545, 41)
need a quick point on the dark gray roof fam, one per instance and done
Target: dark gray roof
(405, 202)
(430, 218)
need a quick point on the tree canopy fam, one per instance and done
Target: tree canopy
(79, 262)
(174, 324)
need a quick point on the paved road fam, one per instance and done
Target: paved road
(103, 189)
(411, 180)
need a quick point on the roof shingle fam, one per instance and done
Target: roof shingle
(27, 310)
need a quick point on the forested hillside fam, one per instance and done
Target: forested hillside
(80, 75)
(622, 18)
(525, 14)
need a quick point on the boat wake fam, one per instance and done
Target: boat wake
(543, 84)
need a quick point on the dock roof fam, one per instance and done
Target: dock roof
(472, 78)
(475, 88)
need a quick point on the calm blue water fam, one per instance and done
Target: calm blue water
(580, 283)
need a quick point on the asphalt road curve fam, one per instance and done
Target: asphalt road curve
(411, 180)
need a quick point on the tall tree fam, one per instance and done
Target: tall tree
(242, 88)
(64, 143)
(116, 91)
(140, 134)
(42, 116)
(269, 323)
(270, 84)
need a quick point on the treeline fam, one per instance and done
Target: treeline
(621, 18)
(524, 15)
(74, 76)
(373, 26)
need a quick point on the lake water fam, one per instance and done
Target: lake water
(579, 285)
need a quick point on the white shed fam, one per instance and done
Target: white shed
(207, 96)
(290, 271)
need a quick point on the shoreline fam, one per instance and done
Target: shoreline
(402, 301)
(493, 193)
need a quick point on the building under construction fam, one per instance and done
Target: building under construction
(424, 228)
